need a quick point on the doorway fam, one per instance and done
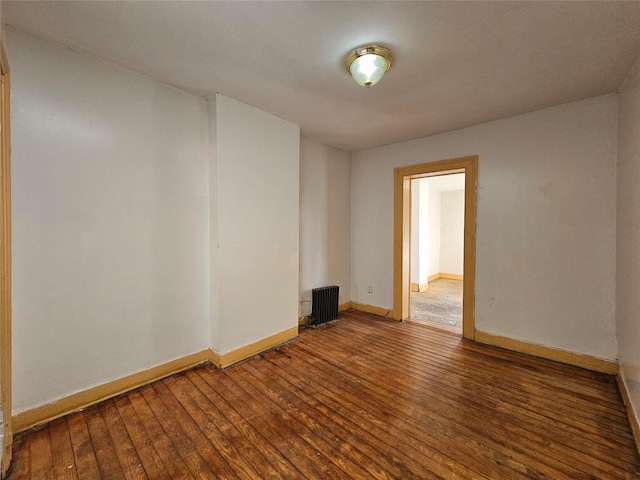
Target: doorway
(437, 251)
(402, 234)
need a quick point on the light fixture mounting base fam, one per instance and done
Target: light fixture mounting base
(366, 50)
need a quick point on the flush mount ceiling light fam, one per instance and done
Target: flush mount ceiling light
(368, 64)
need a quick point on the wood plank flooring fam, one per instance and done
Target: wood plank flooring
(358, 398)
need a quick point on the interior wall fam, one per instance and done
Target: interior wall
(416, 227)
(452, 232)
(109, 222)
(545, 247)
(258, 180)
(424, 228)
(215, 301)
(628, 236)
(325, 221)
(421, 228)
(435, 222)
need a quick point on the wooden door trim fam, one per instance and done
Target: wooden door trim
(402, 233)
(5, 261)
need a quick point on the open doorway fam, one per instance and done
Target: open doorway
(437, 250)
(402, 234)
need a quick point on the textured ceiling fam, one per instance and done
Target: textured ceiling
(456, 63)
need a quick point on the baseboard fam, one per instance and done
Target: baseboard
(341, 308)
(363, 307)
(550, 353)
(451, 276)
(631, 413)
(45, 413)
(227, 359)
(344, 307)
(419, 288)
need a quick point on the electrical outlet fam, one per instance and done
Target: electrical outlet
(370, 289)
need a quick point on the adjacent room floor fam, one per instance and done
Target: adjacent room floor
(440, 304)
(361, 397)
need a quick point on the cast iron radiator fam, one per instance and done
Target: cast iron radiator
(324, 304)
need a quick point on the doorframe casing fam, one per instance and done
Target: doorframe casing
(402, 233)
(5, 261)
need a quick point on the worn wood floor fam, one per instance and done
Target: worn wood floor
(358, 398)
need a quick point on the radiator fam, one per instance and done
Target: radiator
(324, 304)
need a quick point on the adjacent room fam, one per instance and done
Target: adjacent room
(179, 177)
(437, 250)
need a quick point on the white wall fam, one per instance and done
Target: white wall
(628, 236)
(258, 223)
(452, 232)
(325, 221)
(434, 220)
(425, 228)
(420, 231)
(416, 257)
(109, 222)
(145, 226)
(545, 253)
(214, 284)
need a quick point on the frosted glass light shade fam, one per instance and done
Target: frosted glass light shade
(367, 70)
(367, 65)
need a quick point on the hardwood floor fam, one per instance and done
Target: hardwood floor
(357, 398)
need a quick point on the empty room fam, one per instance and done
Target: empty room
(216, 219)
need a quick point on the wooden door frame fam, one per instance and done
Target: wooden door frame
(5, 261)
(402, 233)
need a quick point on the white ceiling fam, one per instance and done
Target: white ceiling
(456, 63)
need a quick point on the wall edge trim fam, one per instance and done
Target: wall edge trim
(343, 307)
(380, 311)
(634, 421)
(77, 401)
(550, 353)
(451, 276)
(252, 349)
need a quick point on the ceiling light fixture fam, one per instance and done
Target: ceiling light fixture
(368, 64)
